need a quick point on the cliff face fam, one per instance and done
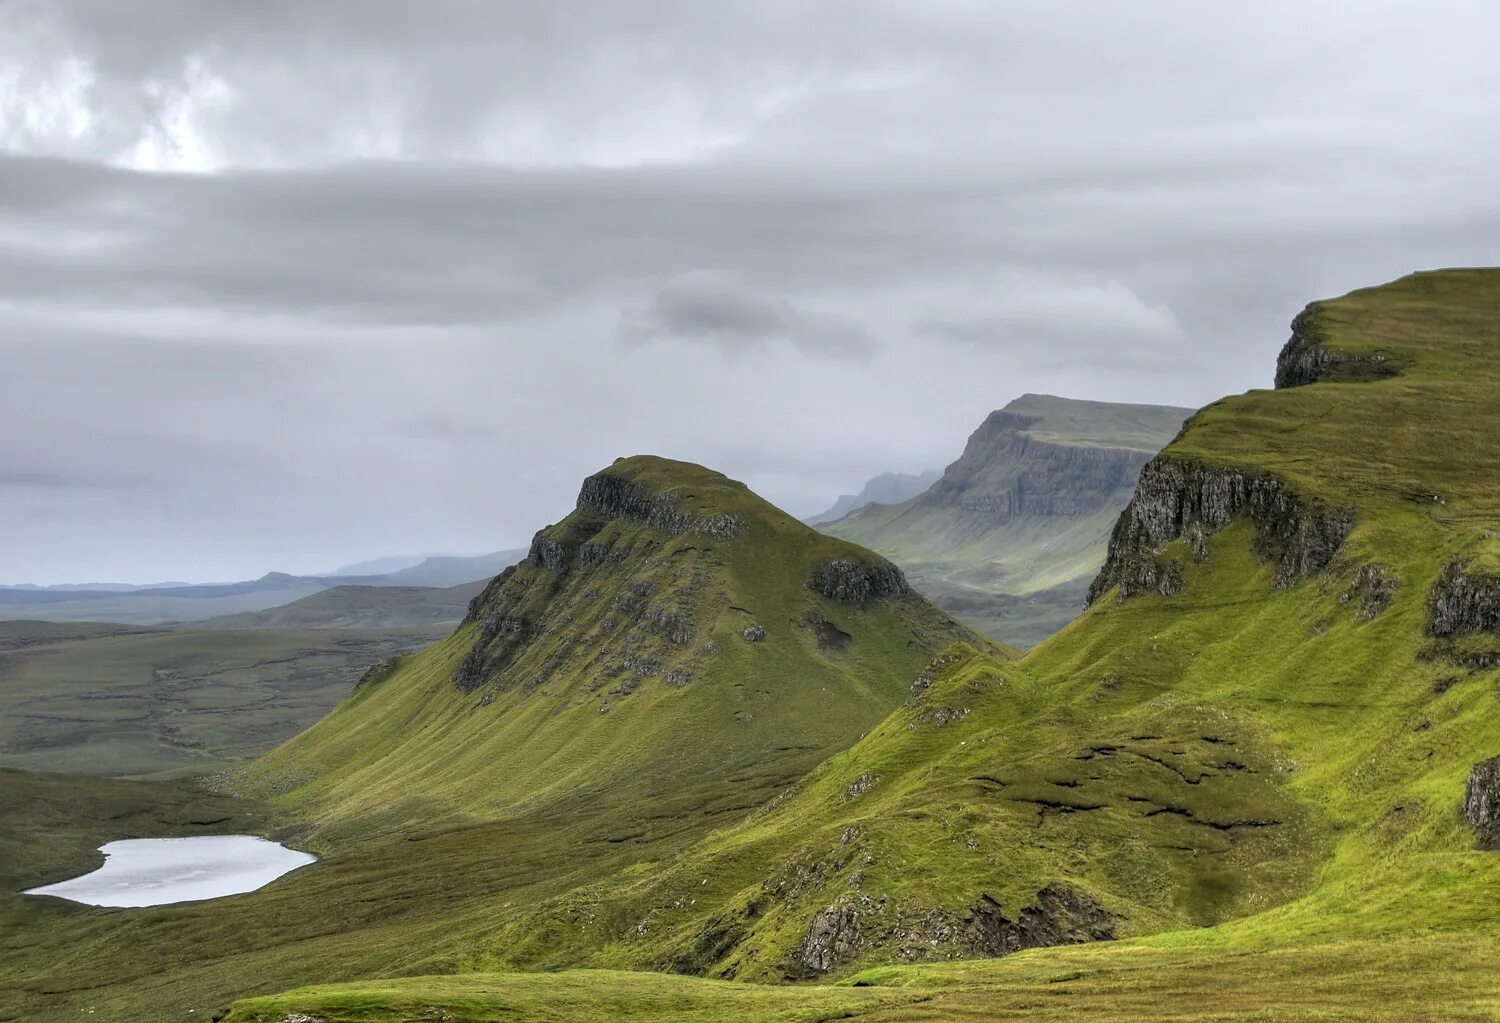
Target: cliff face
(1178, 499)
(1305, 359)
(1009, 537)
(1004, 473)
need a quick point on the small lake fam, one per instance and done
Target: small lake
(159, 871)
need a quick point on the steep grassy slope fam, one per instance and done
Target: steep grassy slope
(1266, 723)
(674, 629)
(671, 655)
(127, 701)
(1009, 537)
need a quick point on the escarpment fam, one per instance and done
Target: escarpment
(1004, 473)
(1306, 359)
(1181, 499)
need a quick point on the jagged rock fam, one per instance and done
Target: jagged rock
(1170, 578)
(1482, 802)
(678, 677)
(547, 553)
(674, 623)
(378, 672)
(1305, 359)
(832, 939)
(1176, 496)
(947, 715)
(753, 633)
(858, 582)
(1061, 915)
(502, 637)
(1463, 602)
(1374, 588)
(919, 687)
(859, 786)
(612, 497)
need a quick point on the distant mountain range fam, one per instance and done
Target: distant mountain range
(1010, 535)
(887, 488)
(353, 605)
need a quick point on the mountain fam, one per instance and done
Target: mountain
(362, 607)
(1008, 539)
(452, 570)
(672, 655)
(887, 488)
(379, 566)
(1256, 779)
(673, 630)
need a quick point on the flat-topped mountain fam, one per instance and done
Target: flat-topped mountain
(1009, 536)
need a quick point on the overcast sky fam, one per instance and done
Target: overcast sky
(290, 284)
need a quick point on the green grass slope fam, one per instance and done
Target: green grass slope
(1008, 539)
(667, 634)
(1247, 759)
(671, 655)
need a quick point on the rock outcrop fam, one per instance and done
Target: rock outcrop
(832, 939)
(858, 582)
(1061, 915)
(1463, 602)
(1180, 499)
(611, 497)
(1305, 359)
(1482, 802)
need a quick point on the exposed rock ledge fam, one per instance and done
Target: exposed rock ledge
(857, 582)
(1305, 359)
(612, 497)
(1463, 601)
(1482, 802)
(1176, 498)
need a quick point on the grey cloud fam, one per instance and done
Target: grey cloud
(708, 308)
(383, 308)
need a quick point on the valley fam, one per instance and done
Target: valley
(692, 759)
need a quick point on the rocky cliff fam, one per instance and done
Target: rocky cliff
(1008, 538)
(1306, 359)
(1177, 499)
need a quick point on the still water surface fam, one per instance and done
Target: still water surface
(159, 871)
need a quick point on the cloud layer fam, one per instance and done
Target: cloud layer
(288, 285)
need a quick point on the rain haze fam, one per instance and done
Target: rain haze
(289, 285)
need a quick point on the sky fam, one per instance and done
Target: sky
(288, 285)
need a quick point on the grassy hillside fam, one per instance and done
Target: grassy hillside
(1009, 538)
(673, 654)
(672, 603)
(1247, 759)
(120, 700)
